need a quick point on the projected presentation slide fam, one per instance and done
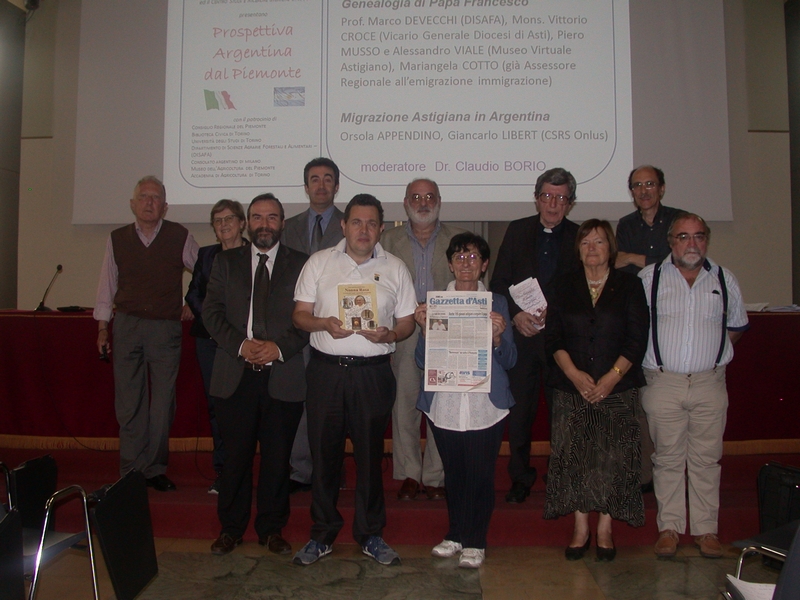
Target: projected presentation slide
(480, 95)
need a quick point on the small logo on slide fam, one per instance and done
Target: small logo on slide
(289, 96)
(218, 100)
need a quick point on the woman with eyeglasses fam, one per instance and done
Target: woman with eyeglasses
(468, 426)
(228, 222)
(597, 328)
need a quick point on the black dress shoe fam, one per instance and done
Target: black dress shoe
(577, 553)
(225, 544)
(162, 483)
(606, 554)
(296, 486)
(275, 543)
(518, 493)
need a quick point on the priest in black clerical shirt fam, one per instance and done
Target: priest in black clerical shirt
(541, 246)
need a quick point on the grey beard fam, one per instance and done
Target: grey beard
(686, 264)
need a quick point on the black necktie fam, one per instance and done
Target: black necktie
(316, 236)
(260, 295)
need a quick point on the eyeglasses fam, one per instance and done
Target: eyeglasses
(698, 238)
(648, 185)
(548, 198)
(226, 220)
(472, 258)
(426, 197)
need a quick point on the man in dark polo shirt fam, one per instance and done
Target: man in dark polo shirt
(642, 235)
(641, 241)
(141, 284)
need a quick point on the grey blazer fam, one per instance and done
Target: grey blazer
(295, 231)
(396, 241)
(226, 311)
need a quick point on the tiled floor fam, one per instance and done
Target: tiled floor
(509, 573)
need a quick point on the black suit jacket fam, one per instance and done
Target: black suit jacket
(595, 336)
(227, 308)
(197, 287)
(518, 259)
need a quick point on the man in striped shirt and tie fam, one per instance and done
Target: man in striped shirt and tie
(697, 314)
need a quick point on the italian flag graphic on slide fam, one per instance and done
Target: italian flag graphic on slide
(218, 100)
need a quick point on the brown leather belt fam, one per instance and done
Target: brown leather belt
(350, 361)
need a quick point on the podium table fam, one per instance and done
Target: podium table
(53, 385)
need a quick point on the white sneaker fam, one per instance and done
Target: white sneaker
(446, 549)
(471, 558)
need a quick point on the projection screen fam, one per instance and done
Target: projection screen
(480, 95)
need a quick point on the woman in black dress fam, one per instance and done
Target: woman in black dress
(597, 328)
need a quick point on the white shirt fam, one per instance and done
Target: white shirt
(254, 252)
(464, 411)
(689, 319)
(318, 284)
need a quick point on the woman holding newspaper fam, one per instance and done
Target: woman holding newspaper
(468, 426)
(597, 327)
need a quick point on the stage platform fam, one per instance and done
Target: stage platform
(190, 512)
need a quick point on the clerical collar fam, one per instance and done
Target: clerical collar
(556, 229)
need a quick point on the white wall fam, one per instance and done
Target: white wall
(756, 245)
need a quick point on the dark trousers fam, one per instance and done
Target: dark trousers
(206, 348)
(525, 381)
(147, 353)
(469, 458)
(340, 401)
(251, 415)
(301, 452)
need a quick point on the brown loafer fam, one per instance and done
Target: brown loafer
(409, 490)
(667, 544)
(225, 544)
(709, 545)
(435, 493)
(275, 544)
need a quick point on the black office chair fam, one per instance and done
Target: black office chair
(780, 544)
(12, 575)
(32, 491)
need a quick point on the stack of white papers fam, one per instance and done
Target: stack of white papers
(753, 591)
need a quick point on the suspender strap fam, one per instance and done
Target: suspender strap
(654, 313)
(724, 315)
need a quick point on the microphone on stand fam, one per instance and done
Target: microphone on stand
(41, 306)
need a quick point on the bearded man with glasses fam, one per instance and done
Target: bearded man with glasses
(541, 246)
(696, 315)
(422, 245)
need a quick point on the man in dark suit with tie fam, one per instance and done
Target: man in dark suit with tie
(541, 246)
(314, 229)
(259, 375)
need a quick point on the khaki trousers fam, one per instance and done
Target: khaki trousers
(686, 415)
(407, 456)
